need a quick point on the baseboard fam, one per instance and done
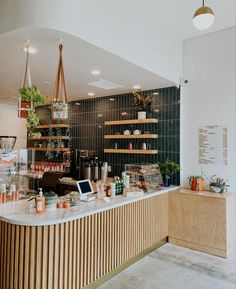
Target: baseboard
(95, 284)
(198, 247)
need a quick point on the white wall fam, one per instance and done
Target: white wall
(209, 98)
(10, 124)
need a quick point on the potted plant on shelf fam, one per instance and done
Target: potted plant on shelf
(168, 168)
(218, 185)
(196, 183)
(143, 102)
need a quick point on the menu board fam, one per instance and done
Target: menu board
(213, 145)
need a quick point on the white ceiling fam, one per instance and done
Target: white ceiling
(134, 21)
(79, 57)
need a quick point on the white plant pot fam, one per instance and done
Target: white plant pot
(142, 114)
(215, 189)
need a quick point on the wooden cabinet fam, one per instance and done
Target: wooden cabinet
(203, 221)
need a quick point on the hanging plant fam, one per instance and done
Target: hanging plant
(32, 94)
(31, 123)
(60, 107)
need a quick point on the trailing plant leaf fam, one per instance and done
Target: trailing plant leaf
(32, 121)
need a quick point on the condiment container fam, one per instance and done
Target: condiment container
(51, 201)
(60, 205)
(40, 203)
(66, 205)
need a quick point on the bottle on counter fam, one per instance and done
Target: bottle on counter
(40, 203)
(113, 189)
(3, 192)
(95, 170)
(127, 181)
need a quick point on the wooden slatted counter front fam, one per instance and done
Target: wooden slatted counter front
(74, 254)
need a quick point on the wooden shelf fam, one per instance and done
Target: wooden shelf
(50, 149)
(51, 137)
(127, 151)
(131, 121)
(62, 125)
(133, 136)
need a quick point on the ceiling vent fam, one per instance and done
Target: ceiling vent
(105, 84)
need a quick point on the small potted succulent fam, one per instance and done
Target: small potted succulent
(143, 102)
(218, 185)
(168, 168)
(196, 183)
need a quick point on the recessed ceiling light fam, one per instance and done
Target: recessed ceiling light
(30, 49)
(136, 86)
(91, 94)
(95, 72)
(155, 93)
(111, 99)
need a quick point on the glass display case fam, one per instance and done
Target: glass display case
(146, 177)
(14, 171)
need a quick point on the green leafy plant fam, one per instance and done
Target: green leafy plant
(220, 183)
(168, 168)
(32, 122)
(142, 101)
(33, 94)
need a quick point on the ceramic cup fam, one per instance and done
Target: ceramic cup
(127, 132)
(137, 131)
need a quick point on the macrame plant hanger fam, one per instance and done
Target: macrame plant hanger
(60, 107)
(23, 106)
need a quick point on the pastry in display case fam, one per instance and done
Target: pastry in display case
(145, 176)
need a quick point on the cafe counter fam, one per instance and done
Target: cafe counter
(81, 246)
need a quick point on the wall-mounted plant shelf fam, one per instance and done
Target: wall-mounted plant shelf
(60, 125)
(131, 121)
(51, 138)
(130, 136)
(50, 149)
(127, 151)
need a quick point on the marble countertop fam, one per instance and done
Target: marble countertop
(17, 213)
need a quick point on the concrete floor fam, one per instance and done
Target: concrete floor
(174, 267)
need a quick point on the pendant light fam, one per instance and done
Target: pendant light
(203, 18)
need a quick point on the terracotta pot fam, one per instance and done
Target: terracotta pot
(23, 107)
(197, 184)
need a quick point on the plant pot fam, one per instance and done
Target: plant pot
(216, 189)
(142, 114)
(23, 107)
(197, 184)
(60, 111)
(166, 182)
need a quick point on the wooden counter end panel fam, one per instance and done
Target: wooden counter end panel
(74, 254)
(201, 222)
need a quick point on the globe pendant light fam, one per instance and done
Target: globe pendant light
(203, 18)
